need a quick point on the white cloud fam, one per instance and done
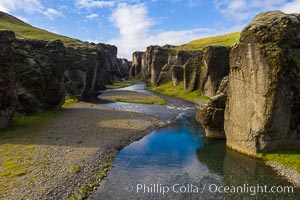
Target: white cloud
(240, 10)
(292, 7)
(94, 4)
(134, 25)
(92, 16)
(29, 6)
(51, 13)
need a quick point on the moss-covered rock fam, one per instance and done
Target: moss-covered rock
(8, 98)
(262, 112)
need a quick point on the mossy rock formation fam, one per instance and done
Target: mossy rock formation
(8, 98)
(262, 111)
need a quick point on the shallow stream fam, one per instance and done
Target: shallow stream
(177, 162)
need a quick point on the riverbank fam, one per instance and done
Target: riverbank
(70, 154)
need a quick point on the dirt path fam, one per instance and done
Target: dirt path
(68, 156)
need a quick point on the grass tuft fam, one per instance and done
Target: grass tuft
(288, 158)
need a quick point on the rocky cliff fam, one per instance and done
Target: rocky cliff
(197, 69)
(214, 66)
(136, 66)
(46, 71)
(211, 115)
(8, 98)
(262, 112)
(39, 67)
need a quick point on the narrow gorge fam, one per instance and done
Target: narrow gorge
(77, 122)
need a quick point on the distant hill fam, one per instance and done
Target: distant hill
(227, 40)
(24, 30)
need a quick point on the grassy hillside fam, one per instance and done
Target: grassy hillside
(228, 40)
(24, 30)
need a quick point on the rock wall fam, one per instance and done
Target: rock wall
(39, 67)
(84, 69)
(8, 98)
(204, 69)
(214, 66)
(136, 66)
(211, 115)
(262, 111)
(46, 71)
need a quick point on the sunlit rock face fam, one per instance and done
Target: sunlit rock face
(263, 103)
(8, 98)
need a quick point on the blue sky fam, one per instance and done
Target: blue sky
(133, 24)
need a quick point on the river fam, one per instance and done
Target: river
(178, 162)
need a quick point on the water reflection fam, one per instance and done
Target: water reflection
(240, 170)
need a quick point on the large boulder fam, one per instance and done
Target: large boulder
(215, 66)
(8, 98)
(39, 71)
(262, 111)
(211, 115)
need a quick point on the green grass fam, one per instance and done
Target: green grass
(178, 91)
(69, 101)
(119, 84)
(227, 40)
(288, 158)
(76, 169)
(23, 121)
(141, 101)
(24, 30)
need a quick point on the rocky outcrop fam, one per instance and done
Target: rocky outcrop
(89, 68)
(83, 74)
(8, 98)
(199, 68)
(159, 59)
(123, 68)
(262, 111)
(214, 66)
(136, 66)
(191, 71)
(39, 70)
(211, 115)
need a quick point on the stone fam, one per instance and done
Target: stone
(214, 66)
(262, 109)
(136, 67)
(8, 97)
(177, 74)
(191, 71)
(159, 59)
(211, 115)
(39, 67)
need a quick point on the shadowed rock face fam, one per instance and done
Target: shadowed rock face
(262, 112)
(211, 115)
(123, 68)
(191, 71)
(83, 70)
(8, 98)
(39, 67)
(215, 66)
(159, 59)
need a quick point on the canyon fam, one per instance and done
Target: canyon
(253, 86)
